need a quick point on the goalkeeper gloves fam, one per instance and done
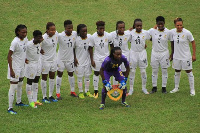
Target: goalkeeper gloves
(107, 85)
(122, 84)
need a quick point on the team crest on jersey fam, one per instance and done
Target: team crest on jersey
(183, 36)
(165, 36)
(106, 40)
(125, 39)
(114, 65)
(142, 37)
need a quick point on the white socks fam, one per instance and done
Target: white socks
(144, 77)
(58, 84)
(44, 88)
(19, 91)
(87, 83)
(177, 79)
(191, 81)
(51, 87)
(154, 77)
(80, 84)
(164, 77)
(35, 91)
(72, 83)
(95, 82)
(29, 93)
(131, 80)
(11, 94)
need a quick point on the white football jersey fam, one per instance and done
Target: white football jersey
(33, 51)
(159, 39)
(49, 46)
(81, 50)
(18, 47)
(181, 44)
(100, 44)
(121, 41)
(66, 46)
(138, 40)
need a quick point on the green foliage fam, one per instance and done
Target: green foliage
(148, 113)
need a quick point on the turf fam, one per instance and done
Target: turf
(148, 113)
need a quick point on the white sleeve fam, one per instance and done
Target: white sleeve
(190, 37)
(110, 39)
(13, 46)
(147, 35)
(171, 35)
(91, 41)
(150, 31)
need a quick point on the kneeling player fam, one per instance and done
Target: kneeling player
(110, 67)
(33, 68)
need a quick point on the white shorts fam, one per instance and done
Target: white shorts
(62, 65)
(19, 73)
(49, 66)
(122, 66)
(160, 59)
(182, 64)
(98, 65)
(83, 70)
(138, 59)
(32, 70)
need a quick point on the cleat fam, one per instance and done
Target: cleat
(125, 104)
(11, 111)
(81, 95)
(89, 94)
(32, 104)
(145, 91)
(164, 90)
(45, 100)
(154, 90)
(101, 107)
(38, 103)
(21, 104)
(96, 95)
(73, 94)
(174, 90)
(58, 97)
(192, 93)
(52, 99)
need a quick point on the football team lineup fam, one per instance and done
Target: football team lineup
(106, 54)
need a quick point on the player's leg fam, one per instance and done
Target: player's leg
(80, 73)
(45, 70)
(58, 84)
(144, 80)
(35, 90)
(52, 72)
(177, 65)
(88, 72)
(96, 78)
(29, 93)
(70, 70)
(131, 80)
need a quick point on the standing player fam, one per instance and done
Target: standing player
(120, 39)
(48, 60)
(182, 58)
(33, 68)
(100, 40)
(65, 59)
(82, 60)
(160, 53)
(138, 54)
(16, 62)
(110, 67)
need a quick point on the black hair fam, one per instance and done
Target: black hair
(177, 19)
(67, 22)
(37, 33)
(113, 51)
(100, 23)
(160, 18)
(136, 20)
(79, 27)
(49, 24)
(119, 22)
(18, 28)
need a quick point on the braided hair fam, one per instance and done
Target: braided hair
(79, 27)
(113, 51)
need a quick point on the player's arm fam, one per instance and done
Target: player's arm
(172, 51)
(9, 58)
(194, 51)
(90, 49)
(75, 59)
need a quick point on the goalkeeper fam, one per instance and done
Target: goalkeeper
(110, 67)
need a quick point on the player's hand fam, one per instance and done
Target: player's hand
(26, 61)
(12, 73)
(125, 79)
(193, 58)
(107, 85)
(42, 51)
(93, 64)
(122, 84)
(76, 62)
